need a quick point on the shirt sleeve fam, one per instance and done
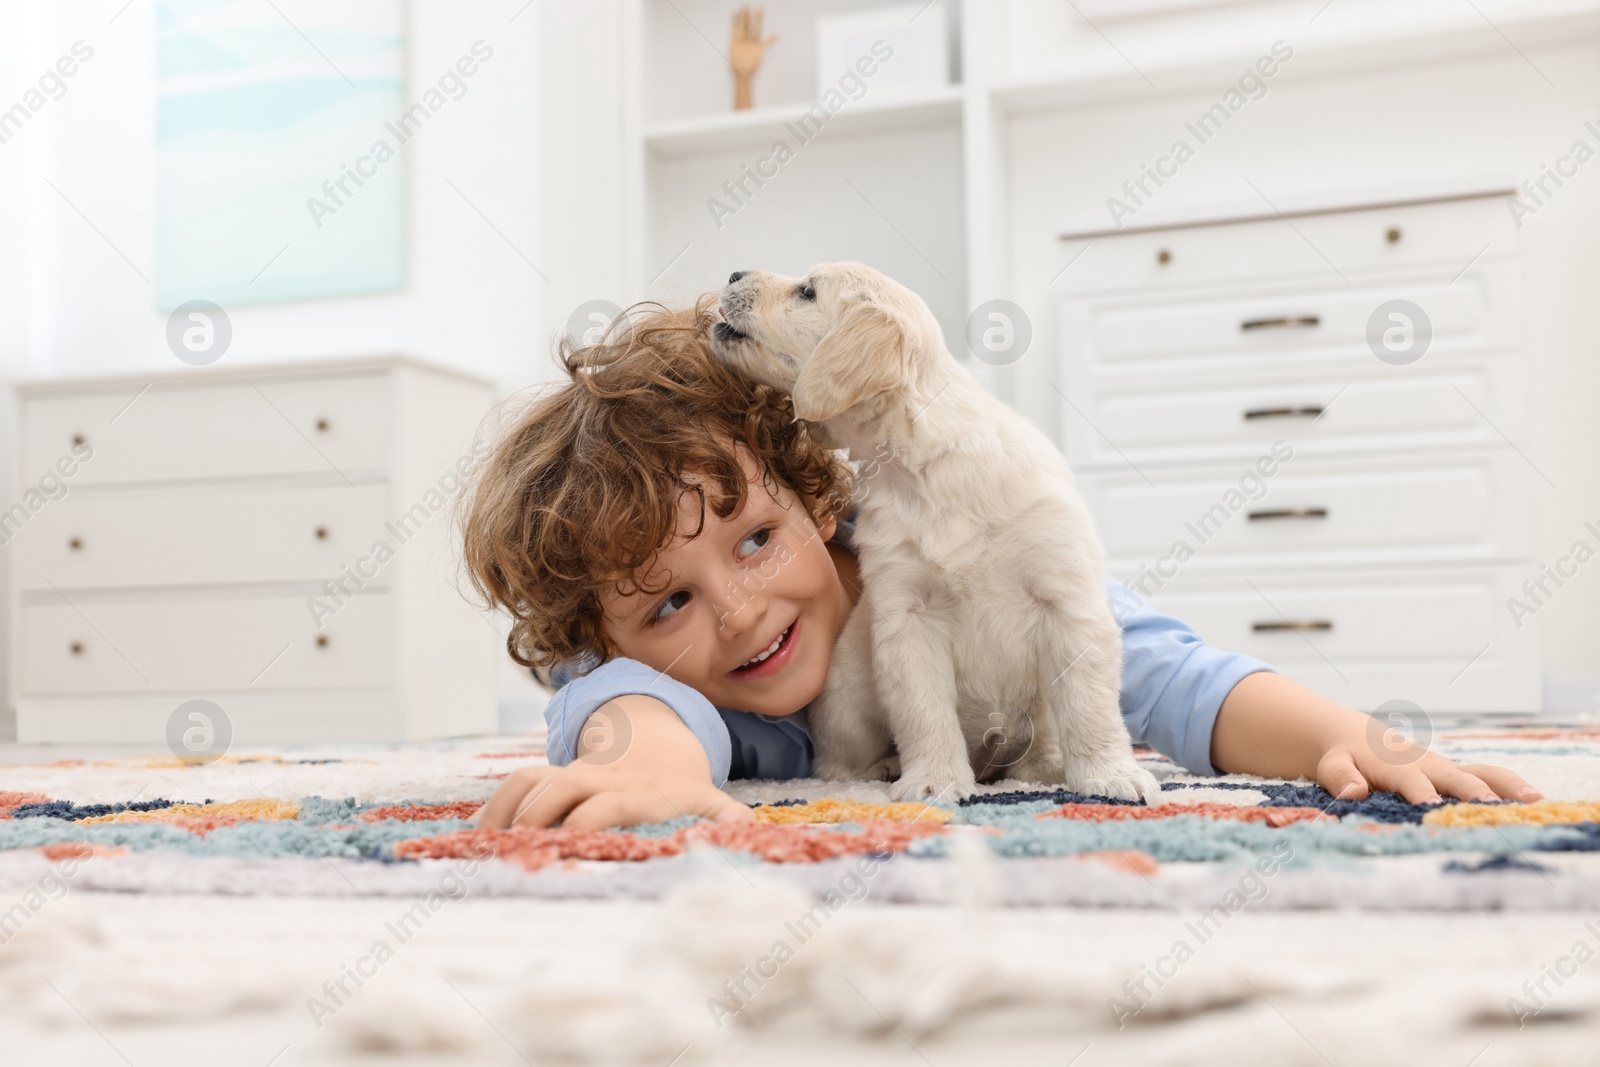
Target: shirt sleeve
(1173, 683)
(580, 696)
(768, 747)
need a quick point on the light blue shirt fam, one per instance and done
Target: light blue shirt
(1173, 685)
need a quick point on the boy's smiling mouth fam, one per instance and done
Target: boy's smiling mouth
(771, 659)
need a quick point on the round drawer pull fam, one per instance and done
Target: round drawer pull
(75, 544)
(322, 533)
(322, 425)
(322, 640)
(1164, 257)
(76, 648)
(1393, 236)
(78, 439)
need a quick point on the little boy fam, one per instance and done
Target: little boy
(674, 550)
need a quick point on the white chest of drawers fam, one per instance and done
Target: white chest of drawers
(277, 541)
(1376, 561)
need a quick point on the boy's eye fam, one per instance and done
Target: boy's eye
(807, 292)
(757, 540)
(671, 604)
(753, 543)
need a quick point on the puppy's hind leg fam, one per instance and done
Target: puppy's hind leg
(848, 727)
(1081, 684)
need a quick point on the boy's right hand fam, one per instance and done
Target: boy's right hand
(637, 763)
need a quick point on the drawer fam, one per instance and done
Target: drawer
(1349, 242)
(173, 431)
(1281, 325)
(110, 539)
(1443, 639)
(1308, 513)
(1465, 400)
(201, 643)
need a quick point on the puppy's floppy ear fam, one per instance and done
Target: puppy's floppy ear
(863, 355)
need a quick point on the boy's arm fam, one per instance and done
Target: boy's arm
(636, 762)
(568, 712)
(1275, 727)
(1228, 713)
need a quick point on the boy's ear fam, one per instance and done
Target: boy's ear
(827, 521)
(863, 355)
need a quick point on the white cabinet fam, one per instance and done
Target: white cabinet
(277, 541)
(1256, 468)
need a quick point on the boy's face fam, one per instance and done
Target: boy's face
(759, 577)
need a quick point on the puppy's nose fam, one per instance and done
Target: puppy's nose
(736, 275)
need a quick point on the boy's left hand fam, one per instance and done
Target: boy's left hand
(1353, 767)
(1275, 727)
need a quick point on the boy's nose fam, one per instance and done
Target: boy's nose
(736, 275)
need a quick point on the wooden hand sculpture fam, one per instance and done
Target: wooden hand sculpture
(745, 49)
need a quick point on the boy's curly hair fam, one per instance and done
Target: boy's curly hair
(583, 491)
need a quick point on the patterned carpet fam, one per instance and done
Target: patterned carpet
(395, 820)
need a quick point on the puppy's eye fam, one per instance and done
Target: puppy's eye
(807, 292)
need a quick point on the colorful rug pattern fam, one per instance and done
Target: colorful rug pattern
(393, 807)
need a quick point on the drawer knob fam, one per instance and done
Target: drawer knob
(76, 648)
(1284, 322)
(1393, 236)
(1281, 413)
(1164, 257)
(1300, 625)
(322, 640)
(1289, 513)
(75, 544)
(322, 533)
(322, 425)
(78, 439)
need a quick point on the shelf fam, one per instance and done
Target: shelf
(1177, 68)
(1299, 202)
(759, 128)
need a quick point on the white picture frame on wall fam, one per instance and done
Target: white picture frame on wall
(897, 51)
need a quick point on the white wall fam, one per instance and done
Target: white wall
(471, 299)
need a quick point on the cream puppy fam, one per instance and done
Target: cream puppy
(983, 640)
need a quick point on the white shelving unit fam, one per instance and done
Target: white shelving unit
(885, 180)
(965, 193)
(928, 178)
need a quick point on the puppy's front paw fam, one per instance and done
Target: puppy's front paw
(1120, 780)
(917, 787)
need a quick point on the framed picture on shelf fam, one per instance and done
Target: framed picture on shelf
(900, 50)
